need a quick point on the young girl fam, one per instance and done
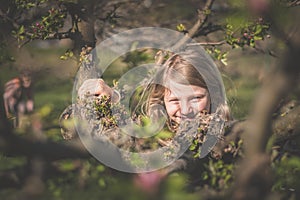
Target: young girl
(186, 90)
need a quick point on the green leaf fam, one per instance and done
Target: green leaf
(224, 61)
(71, 54)
(252, 43)
(164, 135)
(101, 182)
(192, 147)
(21, 30)
(100, 168)
(180, 27)
(63, 57)
(257, 38)
(207, 12)
(258, 30)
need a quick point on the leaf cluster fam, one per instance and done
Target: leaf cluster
(41, 29)
(246, 33)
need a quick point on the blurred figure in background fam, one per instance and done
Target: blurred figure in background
(18, 97)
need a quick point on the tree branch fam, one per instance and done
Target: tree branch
(283, 128)
(207, 43)
(278, 84)
(293, 3)
(48, 149)
(202, 18)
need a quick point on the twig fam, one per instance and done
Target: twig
(207, 43)
(163, 143)
(202, 18)
(293, 3)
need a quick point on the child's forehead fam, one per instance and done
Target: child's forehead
(177, 89)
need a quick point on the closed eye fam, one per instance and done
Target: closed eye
(173, 100)
(198, 97)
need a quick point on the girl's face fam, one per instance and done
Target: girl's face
(185, 101)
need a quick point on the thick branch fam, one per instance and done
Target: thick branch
(277, 85)
(16, 146)
(283, 128)
(287, 127)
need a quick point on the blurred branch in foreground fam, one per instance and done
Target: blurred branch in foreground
(254, 177)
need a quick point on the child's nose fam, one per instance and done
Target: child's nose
(186, 108)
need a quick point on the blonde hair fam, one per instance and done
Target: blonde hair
(180, 68)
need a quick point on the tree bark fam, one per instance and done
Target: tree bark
(84, 27)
